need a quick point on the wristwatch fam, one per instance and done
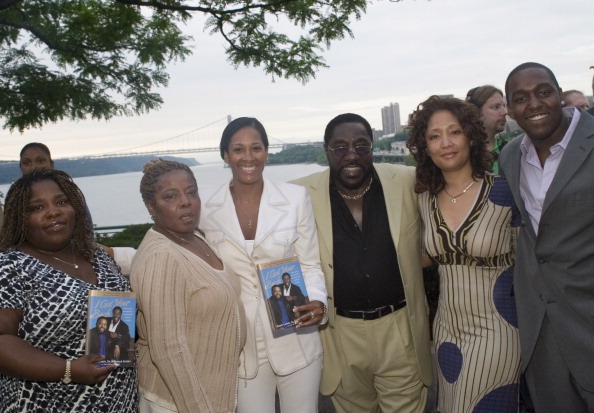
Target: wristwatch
(67, 379)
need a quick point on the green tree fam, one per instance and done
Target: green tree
(131, 236)
(384, 144)
(297, 154)
(102, 58)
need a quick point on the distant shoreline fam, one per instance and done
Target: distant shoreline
(84, 167)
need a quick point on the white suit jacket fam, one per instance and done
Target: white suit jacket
(286, 228)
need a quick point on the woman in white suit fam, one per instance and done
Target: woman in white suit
(252, 221)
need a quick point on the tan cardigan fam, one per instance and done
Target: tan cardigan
(190, 328)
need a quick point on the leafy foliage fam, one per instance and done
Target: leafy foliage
(299, 154)
(131, 236)
(102, 58)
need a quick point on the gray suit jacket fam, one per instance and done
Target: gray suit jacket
(554, 271)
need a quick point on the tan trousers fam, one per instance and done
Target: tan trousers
(379, 371)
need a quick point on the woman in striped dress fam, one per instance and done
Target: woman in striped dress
(469, 219)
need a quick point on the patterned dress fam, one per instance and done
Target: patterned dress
(475, 328)
(54, 307)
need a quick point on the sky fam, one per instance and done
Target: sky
(401, 52)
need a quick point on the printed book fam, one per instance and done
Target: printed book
(111, 327)
(283, 287)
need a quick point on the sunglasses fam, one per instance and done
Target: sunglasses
(360, 150)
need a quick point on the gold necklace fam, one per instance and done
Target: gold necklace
(453, 198)
(187, 241)
(356, 196)
(49, 254)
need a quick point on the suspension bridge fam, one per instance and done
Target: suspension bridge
(203, 139)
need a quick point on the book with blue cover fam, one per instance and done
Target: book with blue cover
(284, 288)
(111, 327)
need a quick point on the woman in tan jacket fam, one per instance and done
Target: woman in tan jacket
(190, 319)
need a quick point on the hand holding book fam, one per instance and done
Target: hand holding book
(311, 314)
(287, 298)
(89, 370)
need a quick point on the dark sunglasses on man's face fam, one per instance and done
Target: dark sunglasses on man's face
(360, 150)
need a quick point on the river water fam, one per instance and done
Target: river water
(114, 200)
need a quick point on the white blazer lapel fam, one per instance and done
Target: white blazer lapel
(272, 211)
(221, 219)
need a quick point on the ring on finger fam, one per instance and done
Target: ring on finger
(312, 314)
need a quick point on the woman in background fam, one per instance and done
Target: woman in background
(250, 221)
(493, 113)
(468, 217)
(190, 317)
(35, 155)
(48, 264)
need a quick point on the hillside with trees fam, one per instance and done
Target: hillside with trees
(299, 154)
(77, 168)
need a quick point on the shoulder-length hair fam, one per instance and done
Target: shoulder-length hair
(16, 214)
(429, 176)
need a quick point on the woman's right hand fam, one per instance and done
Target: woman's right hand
(85, 371)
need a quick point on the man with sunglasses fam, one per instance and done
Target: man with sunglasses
(376, 342)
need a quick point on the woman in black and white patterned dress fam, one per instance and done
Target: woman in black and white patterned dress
(48, 263)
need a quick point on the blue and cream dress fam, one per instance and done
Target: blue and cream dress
(54, 307)
(475, 329)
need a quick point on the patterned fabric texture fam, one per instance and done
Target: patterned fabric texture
(54, 307)
(475, 328)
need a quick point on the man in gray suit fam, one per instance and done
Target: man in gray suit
(550, 170)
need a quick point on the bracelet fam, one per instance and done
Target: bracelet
(324, 319)
(67, 379)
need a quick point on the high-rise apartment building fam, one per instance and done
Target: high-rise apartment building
(391, 119)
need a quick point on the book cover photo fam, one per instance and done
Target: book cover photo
(111, 327)
(284, 288)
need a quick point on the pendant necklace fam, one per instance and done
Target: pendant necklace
(49, 254)
(253, 216)
(349, 197)
(187, 241)
(453, 198)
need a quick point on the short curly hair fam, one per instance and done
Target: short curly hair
(429, 176)
(16, 214)
(153, 170)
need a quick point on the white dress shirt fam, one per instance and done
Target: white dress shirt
(535, 179)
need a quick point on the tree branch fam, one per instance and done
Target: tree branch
(207, 10)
